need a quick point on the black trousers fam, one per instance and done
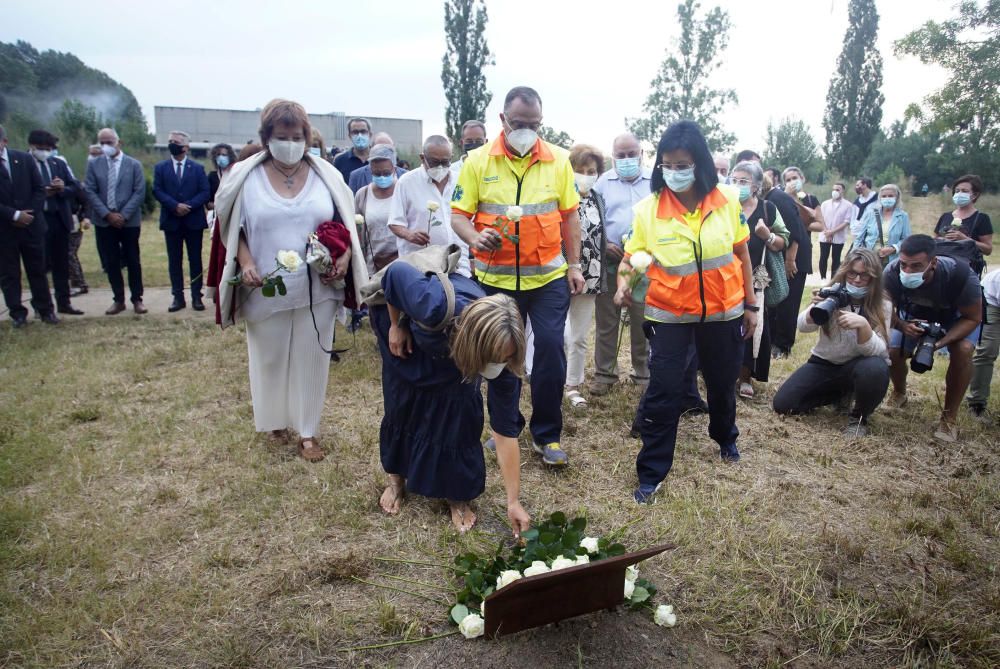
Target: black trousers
(785, 316)
(57, 256)
(819, 382)
(176, 242)
(824, 255)
(117, 247)
(27, 244)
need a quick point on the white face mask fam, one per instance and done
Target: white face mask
(438, 173)
(492, 370)
(41, 154)
(835, 195)
(584, 182)
(109, 150)
(285, 151)
(522, 140)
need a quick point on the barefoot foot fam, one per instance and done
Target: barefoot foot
(462, 516)
(391, 500)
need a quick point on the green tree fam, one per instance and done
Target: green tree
(965, 113)
(557, 137)
(680, 89)
(76, 122)
(790, 142)
(854, 101)
(462, 69)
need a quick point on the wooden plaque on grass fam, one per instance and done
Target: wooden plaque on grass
(534, 601)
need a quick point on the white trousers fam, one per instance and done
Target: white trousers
(578, 320)
(288, 370)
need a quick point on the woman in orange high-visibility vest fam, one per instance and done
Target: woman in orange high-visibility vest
(700, 293)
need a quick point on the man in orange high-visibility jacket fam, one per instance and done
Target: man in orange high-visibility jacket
(515, 204)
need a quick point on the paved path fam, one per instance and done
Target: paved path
(95, 302)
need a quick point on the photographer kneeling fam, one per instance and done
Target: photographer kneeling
(937, 303)
(851, 355)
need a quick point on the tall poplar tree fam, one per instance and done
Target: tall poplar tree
(465, 57)
(854, 101)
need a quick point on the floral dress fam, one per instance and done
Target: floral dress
(592, 242)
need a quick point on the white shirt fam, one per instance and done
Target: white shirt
(836, 213)
(413, 192)
(274, 223)
(377, 239)
(182, 164)
(991, 288)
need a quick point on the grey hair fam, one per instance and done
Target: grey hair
(753, 169)
(899, 193)
(474, 124)
(382, 152)
(181, 133)
(721, 156)
(436, 140)
(359, 119)
(792, 168)
(111, 130)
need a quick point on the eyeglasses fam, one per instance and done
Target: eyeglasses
(438, 163)
(858, 276)
(677, 166)
(521, 125)
(359, 132)
(742, 182)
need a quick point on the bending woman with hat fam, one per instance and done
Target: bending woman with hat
(438, 336)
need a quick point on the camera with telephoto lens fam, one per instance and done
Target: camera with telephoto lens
(834, 297)
(923, 354)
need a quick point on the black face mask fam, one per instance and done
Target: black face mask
(474, 144)
(176, 149)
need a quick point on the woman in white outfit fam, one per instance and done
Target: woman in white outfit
(270, 203)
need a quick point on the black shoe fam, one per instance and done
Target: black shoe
(197, 304)
(69, 309)
(176, 305)
(49, 318)
(20, 321)
(79, 291)
(730, 453)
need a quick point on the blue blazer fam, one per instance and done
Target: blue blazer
(192, 190)
(899, 229)
(64, 203)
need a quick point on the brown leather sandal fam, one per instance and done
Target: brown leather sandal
(312, 452)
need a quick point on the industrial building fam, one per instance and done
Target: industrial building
(208, 127)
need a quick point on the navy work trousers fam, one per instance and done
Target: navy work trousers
(547, 307)
(720, 354)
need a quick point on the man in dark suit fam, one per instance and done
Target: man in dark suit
(181, 187)
(116, 188)
(60, 199)
(22, 235)
(362, 176)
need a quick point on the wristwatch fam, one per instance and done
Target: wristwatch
(751, 307)
(576, 265)
(770, 239)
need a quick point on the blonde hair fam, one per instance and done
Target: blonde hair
(485, 333)
(283, 112)
(317, 138)
(874, 302)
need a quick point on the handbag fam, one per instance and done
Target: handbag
(776, 289)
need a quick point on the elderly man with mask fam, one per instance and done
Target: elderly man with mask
(473, 136)
(622, 187)
(362, 176)
(722, 167)
(412, 218)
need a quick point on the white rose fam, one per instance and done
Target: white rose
(433, 206)
(507, 577)
(562, 563)
(590, 543)
(631, 573)
(537, 567)
(359, 219)
(514, 213)
(640, 260)
(629, 589)
(471, 626)
(582, 559)
(801, 195)
(664, 616)
(290, 260)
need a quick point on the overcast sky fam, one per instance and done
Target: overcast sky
(592, 62)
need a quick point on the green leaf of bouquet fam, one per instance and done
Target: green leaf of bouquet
(615, 550)
(435, 224)
(530, 535)
(639, 595)
(458, 613)
(267, 290)
(281, 288)
(546, 538)
(579, 524)
(558, 518)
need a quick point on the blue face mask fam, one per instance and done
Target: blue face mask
(961, 199)
(316, 151)
(383, 182)
(888, 202)
(744, 193)
(360, 141)
(222, 162)
(627, 168)
(797, 185)
(856, 291)
(911, 281)
(678, 180)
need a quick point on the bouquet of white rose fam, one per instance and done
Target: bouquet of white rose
(272, 283)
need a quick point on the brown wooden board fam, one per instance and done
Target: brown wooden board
(534, 601)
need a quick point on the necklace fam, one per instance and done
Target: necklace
(289, 177)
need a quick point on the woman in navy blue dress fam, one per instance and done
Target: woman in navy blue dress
(431, 369)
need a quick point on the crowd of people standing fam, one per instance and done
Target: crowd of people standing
(703, 260)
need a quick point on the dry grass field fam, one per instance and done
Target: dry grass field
(144, 524)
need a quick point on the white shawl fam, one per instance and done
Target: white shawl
(228, 209)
